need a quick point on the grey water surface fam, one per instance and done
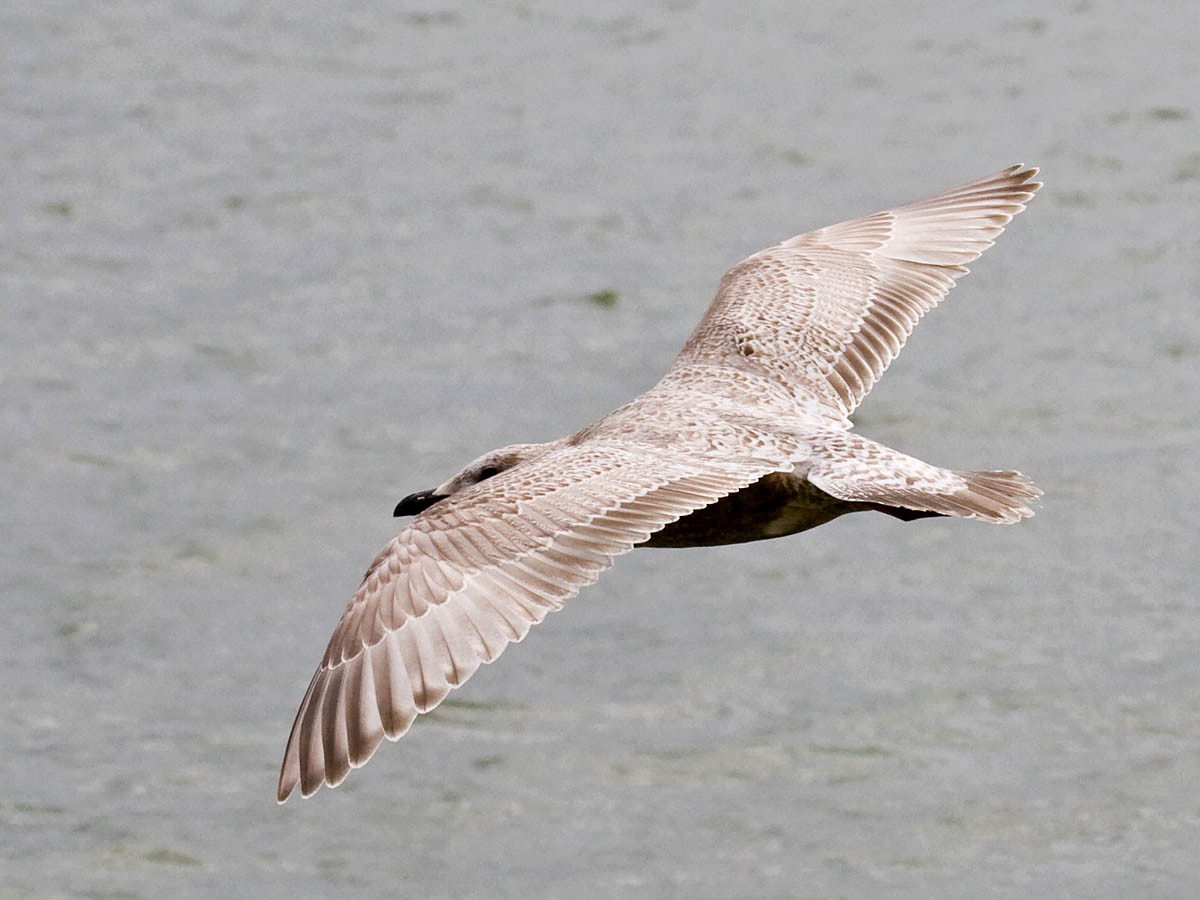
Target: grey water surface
(267, 267)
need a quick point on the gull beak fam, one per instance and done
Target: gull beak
(415, 503)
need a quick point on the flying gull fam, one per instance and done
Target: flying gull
(746, 437)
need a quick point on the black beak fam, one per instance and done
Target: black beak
(415, 503)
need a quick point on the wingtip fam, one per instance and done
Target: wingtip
(288, 784)
(284, 789)
(1021, 174)
(289, 772)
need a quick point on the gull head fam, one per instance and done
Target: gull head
(487, 466)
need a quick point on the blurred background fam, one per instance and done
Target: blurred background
(267, 267)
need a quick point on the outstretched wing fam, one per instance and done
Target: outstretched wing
(472, 574)
(826, 312)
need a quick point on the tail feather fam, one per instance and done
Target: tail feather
(853, 468)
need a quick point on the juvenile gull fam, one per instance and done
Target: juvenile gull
(746, 437)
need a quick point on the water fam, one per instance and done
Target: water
(267, 268)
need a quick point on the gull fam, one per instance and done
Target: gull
(746, 437)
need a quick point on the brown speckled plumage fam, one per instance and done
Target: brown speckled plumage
(746, 437)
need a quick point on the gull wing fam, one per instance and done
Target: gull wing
(472, 574)
(826, 312)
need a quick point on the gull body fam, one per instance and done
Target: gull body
(746, 437)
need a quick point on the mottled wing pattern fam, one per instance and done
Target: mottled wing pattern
(472, 574)
(826, 312)
(851, 467)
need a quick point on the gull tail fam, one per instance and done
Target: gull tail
(853, 468)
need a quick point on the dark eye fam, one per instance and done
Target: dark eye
(488, 471)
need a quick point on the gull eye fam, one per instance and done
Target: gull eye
(488, 471)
